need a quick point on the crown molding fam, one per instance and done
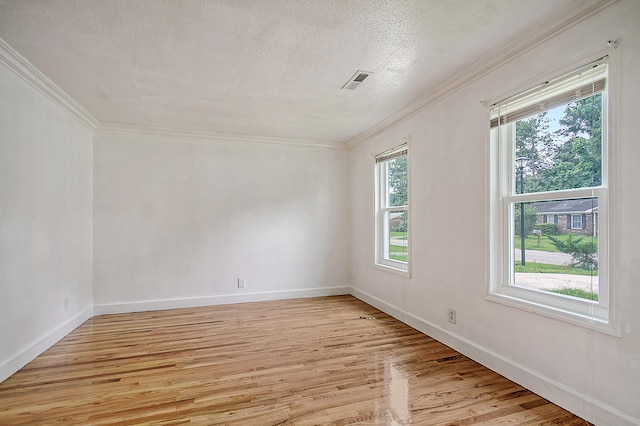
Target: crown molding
(16, 63)
(21, 67)
(517, 47)
(130, 129)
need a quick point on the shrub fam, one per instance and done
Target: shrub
(547, 228)
(585, 255)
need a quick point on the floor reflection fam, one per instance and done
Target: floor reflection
(398, 394)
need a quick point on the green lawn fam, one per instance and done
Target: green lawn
(399, 257)
(531, 242)
(545, 268)
(398, 235)
(398, 253)
(575, 292)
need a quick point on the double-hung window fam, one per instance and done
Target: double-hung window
(392, 212)
(549, 189)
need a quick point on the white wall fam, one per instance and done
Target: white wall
(592, 374)
(45, 222)
(177, 222)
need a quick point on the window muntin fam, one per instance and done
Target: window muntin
(392, 215)
(551, 176)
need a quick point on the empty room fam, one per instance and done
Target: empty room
(260, 212)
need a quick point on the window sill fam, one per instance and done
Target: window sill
(393, 270)
(556, 313)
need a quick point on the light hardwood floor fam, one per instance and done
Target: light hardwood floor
(330, 360)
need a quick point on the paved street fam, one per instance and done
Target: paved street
(549, 257)
(398, 241)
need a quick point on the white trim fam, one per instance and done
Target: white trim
(128, 129)
(17, 64)
(612, 177)
(549, 28)
(42, 343)
(194, 302)
(571, 399)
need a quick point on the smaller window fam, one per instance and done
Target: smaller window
(392, 213)
(576, 221)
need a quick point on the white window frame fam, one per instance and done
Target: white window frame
(382, 258)
(598, 315)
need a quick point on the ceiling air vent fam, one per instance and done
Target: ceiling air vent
(356, 80)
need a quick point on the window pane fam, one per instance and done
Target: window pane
(559, 257)
(562, 148)
(398, 238)
(397, 182)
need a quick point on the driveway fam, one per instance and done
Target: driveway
(398, 241)
(553, 281)
(545, 281)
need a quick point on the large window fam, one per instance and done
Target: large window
(549, 198)
(392, 212)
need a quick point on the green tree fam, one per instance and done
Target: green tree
(535, 142)
(397, 176)
(577, 162)
(570, 157)
(530, 217)
(583, 118)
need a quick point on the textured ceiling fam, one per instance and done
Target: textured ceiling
(269, 68)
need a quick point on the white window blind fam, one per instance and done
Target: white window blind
(398, 151)
(578, 84)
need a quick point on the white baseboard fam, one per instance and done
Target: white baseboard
(192, 302)
(44, 342)
(582, 405)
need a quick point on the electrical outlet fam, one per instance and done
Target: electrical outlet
(452, 316)
(241, 282)
(66, 304)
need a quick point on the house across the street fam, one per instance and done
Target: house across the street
(579, 216)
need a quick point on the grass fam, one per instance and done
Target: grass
(398, 253)
(575, 292)
(545, 268)
(399, 257)
(402, 235)
(531, 242)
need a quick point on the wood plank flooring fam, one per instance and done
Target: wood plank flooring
(329, 361)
